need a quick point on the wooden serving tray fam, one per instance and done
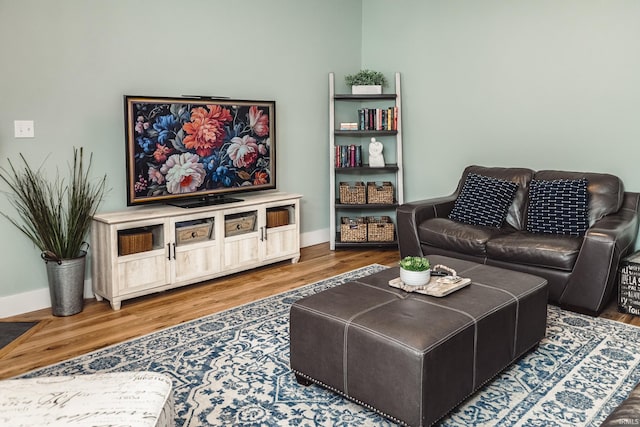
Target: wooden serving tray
(437, 286)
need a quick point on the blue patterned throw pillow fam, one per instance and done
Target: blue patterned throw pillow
(560, 206)
(483, 200)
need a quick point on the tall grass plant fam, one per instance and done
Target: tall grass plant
(55, 214)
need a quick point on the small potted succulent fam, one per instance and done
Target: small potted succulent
(415, 270)
(366, 82)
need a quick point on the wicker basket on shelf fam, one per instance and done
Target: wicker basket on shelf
(380, 192)
(134, 241)
(277, 217)
(353, 229)
(353, 193)
(380, 229)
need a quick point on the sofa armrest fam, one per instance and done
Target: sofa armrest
(606, 242)
(410, 215)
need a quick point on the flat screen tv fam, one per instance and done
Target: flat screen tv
(195, 151)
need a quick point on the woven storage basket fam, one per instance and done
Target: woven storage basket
(379, 229)
(134, 241)
(380, 192)
(353, 193)
(353, 230)
(239, 224)
(277, 217)
(191, 233)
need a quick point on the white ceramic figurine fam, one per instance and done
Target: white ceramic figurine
(376, 159)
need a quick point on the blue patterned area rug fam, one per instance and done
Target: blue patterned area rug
(232, 369)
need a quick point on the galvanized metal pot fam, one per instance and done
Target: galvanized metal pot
(66, 284)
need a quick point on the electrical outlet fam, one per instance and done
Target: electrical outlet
(23, 128)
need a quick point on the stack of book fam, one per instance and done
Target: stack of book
(348, 156)
(349, 126)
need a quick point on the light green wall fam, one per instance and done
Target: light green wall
(543, 84)
(67, 64)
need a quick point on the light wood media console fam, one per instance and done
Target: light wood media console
(181, 250)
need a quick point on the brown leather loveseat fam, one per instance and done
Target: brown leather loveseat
(581, 269)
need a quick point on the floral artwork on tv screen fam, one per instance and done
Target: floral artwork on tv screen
(194, 148)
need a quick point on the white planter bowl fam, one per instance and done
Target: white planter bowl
(366, 89)
(415, 278)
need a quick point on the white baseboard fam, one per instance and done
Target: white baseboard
(314, 237)
(38, 299)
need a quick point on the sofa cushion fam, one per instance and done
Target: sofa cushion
(606, 191)
(540, 250)
(521, 176)
(558, 207)
(456, 236)
(483, 201)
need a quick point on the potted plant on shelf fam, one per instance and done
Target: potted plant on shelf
(55, 214)
(366, 82)
(415, 270)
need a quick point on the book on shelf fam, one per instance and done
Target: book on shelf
(378, 118)
(395, 118)
(349, 126)
(348, 156)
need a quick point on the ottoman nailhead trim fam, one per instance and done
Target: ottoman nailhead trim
(366, 405)
(481, 385)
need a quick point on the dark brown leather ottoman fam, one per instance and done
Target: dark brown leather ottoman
(413, 357)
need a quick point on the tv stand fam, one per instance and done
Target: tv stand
(146, 249)
(204, 201)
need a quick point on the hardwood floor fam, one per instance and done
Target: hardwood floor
(58, 338)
